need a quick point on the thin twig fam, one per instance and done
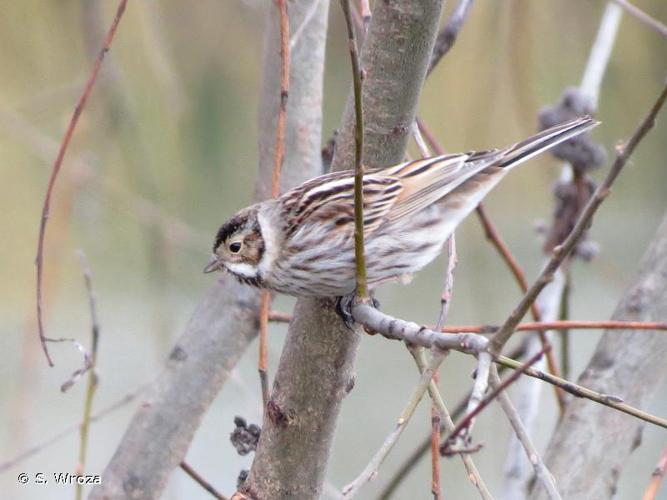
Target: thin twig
(563, 250)
(92, 375)
(478, 389)
(371, 470)
(201, 481)
(656, 477)
(278, 159)
(579, 391)
(650, 21)
(436, 489)
(58, 164)
(448, 288)
(359, 255)
(541, 472)
(464, 423)
(564, 332)
(448, 35)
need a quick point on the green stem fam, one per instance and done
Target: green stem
(359, 255)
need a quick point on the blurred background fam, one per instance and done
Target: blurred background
(166, 150)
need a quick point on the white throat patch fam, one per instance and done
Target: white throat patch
(271, 243)
(242, 269)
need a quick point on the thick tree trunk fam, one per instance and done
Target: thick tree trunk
(226, 321)
(591, 445)
(316, 367)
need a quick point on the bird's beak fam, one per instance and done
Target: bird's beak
(213, 265)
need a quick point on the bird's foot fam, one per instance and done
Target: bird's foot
(344, 307)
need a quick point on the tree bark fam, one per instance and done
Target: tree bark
(591, 444)
(226, 321)
(316, 367)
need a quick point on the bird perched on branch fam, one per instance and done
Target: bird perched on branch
(302, 243)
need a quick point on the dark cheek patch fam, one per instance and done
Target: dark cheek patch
(255, 249)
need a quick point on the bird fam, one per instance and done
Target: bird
(302, 243)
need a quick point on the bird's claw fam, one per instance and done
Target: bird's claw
(344, 306)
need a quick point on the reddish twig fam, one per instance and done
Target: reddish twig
(657, 477)
(201, 481)
(58, 164)
(279, 157)
(465, 421)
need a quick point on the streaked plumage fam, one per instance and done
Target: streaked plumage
(303, 242)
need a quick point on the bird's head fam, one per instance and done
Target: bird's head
(239, 246)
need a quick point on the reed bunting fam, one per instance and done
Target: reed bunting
(303, 242)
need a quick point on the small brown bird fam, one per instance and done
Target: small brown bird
(303, 242)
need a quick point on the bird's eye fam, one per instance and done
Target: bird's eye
(235, 247)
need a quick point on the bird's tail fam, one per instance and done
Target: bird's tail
(544, 140)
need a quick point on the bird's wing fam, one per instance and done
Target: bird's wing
(331, 199)
(427, 181)
(389, 193)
